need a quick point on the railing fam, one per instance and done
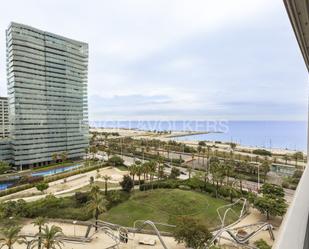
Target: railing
(294, 233)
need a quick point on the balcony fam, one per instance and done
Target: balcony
(294, 231)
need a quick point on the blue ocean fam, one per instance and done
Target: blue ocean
(290, 135)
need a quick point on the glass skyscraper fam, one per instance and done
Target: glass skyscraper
(47, 95)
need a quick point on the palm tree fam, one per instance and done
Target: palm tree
(199, 150)
(240, 178)
(106, 178)
(139, 172)
(208, 151)
(152, 169)
(133, 171)
(160, 171)
(64, 156)
(50, 237)
(145, 169)
(192, 156)
(55, 157)
(189, 171)
(229, 167)
(203, 152)
(97, 204)
(10, 235)
(108, 153)
(286, 158)
(39, 222)
(265, 169)
(297, 156)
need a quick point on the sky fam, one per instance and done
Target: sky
(177, 59)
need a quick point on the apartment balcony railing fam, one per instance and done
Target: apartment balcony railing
(294, 231)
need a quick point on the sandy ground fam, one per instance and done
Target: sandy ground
(60, 187)
(173, 136)
(255, 217)
(100, 240)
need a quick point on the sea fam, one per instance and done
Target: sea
(291, 135)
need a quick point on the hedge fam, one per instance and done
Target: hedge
(193, 184)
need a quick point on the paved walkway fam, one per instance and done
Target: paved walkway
(62, 186)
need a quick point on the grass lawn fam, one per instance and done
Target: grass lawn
(56, 165)
(165, 205)
(122, 168)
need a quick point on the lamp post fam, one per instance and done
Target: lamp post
(258, 177)
(74, 223)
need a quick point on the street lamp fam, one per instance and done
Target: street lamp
(258, 176)
(74, 223)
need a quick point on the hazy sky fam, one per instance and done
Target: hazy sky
(178, 59)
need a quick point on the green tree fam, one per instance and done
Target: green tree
(10, 235)
(193, 233)
(96, 204)
(265, 167)
(233, 146)
(64, 156)
(272, 202)
(261, 244)
(272, 189)
(127, 183)
(91, 180)
(133, 171)
(152, 168)
(286, 158)
(139, 172)
(201, 143)
(4, 167)
(175, 173)
(39, 222)
(55, 157)
(106, 178)
(116, 161)
(217, 172)
(50, 237)
(42, 186)
(298, 156)
(229, 168)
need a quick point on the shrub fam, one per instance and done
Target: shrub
(297, 174)
(285, 185)
(4, 167)
(115, 197)
(184, 187)
(175, 172)
(81, 198)
(160, 184)
(201, 143)
(42, 186)
(127, 183)
(261, 244)
(190, 231)
(30, 179)
(261, 152)
(13, 208)
(52, 207)
(116, 161)
(195, 183)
